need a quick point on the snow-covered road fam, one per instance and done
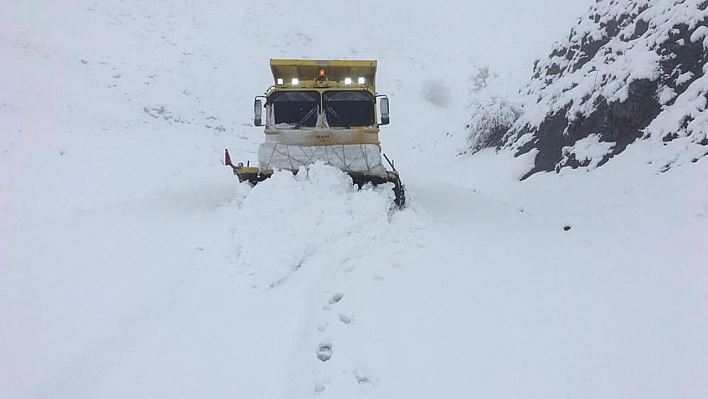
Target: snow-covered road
(204, 291)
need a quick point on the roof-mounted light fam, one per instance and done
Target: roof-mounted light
(347, 81)
(362, 80)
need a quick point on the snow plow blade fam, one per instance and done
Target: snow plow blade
(251, 174)
(255, 175)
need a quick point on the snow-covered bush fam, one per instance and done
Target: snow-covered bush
(436, 92)
(490, 121)
(480, 80)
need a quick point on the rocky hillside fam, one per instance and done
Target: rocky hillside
(629, 70)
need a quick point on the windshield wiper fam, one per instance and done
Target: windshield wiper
(334, 113)
(306, 117)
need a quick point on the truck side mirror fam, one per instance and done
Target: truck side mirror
(383, 103)
(258, 113)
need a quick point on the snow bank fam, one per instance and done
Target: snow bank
(283, 221)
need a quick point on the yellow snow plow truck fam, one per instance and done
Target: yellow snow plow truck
(322, 111)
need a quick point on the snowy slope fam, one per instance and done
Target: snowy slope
(628, 70)
(133, 265)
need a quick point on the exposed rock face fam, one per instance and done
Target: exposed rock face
(630, 69)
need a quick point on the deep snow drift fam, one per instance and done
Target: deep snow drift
(133, 265)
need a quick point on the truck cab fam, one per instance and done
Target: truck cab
(322, 110)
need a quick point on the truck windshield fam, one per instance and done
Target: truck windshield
(349, 108)
(298, 108)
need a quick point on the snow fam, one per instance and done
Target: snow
(588, 149)
(618, 47)
(583, 81)
(133, 265)
(305, 203)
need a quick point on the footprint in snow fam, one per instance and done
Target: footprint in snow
(362, 378)
(336, 298)
(324, 351)
(332, 301)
